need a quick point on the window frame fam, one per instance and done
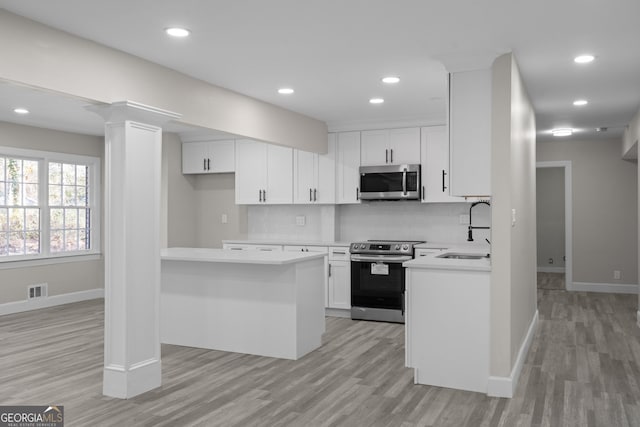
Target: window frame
(94, 204)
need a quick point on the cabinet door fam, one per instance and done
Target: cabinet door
(305, 176)
(340, 284)
(221, 156)
(251, 174)
(435, 165)
(347, 168)
(279, 185)
(470, 132)
(375, 147)
(194, 157)
(326, 174)
(404, 146)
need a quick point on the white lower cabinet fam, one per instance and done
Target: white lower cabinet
(447, 327)
(248, 247)
(339, 286)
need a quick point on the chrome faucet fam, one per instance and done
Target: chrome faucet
(471, 227)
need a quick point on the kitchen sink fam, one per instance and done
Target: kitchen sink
(455, 255)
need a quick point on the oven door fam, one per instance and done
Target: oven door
(377, 287)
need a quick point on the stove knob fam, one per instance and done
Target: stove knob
(405, 247)
(362, 246)
(397, 247)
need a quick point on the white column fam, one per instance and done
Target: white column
(133, 149)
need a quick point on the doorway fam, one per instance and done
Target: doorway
(554, 225)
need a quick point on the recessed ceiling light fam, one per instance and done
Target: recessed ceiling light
(177, 32)
(285, 91)
(580, 102)
(391, 79)
(562, 132)
(584, 59)
(21, 111)
(376, 100)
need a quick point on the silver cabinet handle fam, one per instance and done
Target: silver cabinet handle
(443, 175)
(386, 156)
(264, 195)
(338, 252)
(315, 194)
(357, 194)
(423, 192)
(329, 270)
(391, 155)
(208, 164)
(310, 192)
(259, 195)
(204, 164)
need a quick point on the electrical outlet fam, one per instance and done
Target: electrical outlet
(224, 218)
(464, 219)
(616, 274)
(550, 260)
(300, 220)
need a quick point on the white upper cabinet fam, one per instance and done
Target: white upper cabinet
(264, 173)
(470, 132)
(434, 149)
(390, 147)
(347, 167)
(314, 175)
(208, 157)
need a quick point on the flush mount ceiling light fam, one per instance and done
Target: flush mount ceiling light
(177, 32)
(580, 102)
(390, 79)
(21, 111)
(285, 91)
(376, 101)
(583, 59)
(562, 132)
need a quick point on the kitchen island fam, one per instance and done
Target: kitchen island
(254, 302)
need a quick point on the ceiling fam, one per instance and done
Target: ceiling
(334, 53)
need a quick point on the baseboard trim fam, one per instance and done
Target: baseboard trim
(127, 383)
(638, 318)
(50, 301)
(506, 386)
(337, 312)
(612, 288)
(551, 269)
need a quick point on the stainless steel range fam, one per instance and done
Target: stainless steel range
(377, 279)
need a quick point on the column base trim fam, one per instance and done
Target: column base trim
(127, 383)
(638, 318)
(506, 386)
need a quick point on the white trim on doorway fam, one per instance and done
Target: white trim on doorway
(568, 215)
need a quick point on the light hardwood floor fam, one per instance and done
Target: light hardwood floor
(583, 369)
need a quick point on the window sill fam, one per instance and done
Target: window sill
(56, 259)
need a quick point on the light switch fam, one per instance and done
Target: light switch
(513, 217)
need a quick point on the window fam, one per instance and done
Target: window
(48, 204)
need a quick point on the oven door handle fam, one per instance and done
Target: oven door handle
(381, 258)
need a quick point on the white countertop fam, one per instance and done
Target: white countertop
(286, 242)
(431, 260)
(237, 257)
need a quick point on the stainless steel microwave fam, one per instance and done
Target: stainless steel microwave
(390, 182)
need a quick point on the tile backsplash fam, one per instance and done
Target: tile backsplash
(374, 220)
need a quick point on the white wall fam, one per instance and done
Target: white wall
(550, 217)
(513, 274)
(62, 278)
(605, 208)
(39, 56)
